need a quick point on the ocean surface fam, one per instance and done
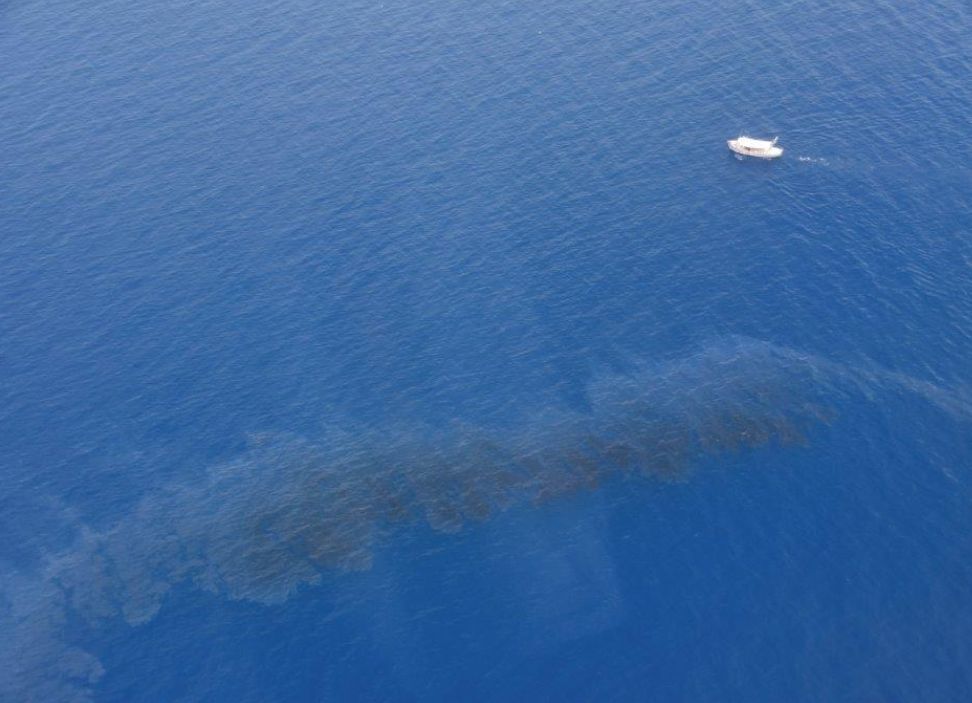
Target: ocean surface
(428, 350)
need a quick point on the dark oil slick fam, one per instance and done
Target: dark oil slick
(291, 511)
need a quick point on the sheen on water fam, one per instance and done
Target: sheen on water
(442, 351)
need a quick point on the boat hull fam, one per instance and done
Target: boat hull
(773, 152)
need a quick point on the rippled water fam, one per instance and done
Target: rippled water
(442, 351)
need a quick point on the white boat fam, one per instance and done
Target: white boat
(760, 148)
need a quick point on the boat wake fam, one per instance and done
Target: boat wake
(292, 511)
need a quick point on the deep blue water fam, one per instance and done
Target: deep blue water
(438, 351)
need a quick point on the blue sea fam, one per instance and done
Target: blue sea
(428, 350)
